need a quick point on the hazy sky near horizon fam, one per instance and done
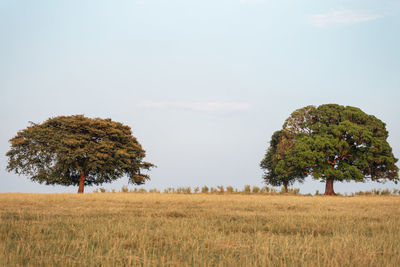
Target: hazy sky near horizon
(203, 84)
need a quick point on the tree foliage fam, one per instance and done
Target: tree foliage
(277, 165)
(339, 143)
(76, 150)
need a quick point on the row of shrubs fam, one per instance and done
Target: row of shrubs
(373, 192)
(207, 190)
(246, 190)
(380, 192)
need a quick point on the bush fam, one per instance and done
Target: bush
(229, 189)
(256, 190)
(265, 189)
(169, 190)
(204, 189)
(247, 189)
(196, 189)
(221, 189)
(102, 190)
(124, 189)
(154, 190)
(385, 192)
(294, 191)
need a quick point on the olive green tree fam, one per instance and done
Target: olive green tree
(76, 150)
(339, 143)
(278, 170)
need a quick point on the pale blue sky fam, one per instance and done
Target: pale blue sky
(203, 84)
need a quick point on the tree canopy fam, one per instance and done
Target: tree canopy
(338, 143)
(278, 168)
(76, 150)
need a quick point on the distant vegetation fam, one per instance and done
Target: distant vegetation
(207, 190)
(265, 190)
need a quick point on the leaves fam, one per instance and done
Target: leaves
(331, 141)
(60, 149)
(278, 162)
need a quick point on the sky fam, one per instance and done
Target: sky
(203, 84)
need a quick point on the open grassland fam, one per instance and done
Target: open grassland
(198, 230)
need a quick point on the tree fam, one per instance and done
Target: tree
(76, 150)
(340, 143)
(278, 167)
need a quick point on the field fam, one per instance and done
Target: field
(150, 229)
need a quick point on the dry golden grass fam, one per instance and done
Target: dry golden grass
(198, 230)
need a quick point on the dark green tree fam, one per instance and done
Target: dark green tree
(76, 150)
(340, 143)
(278, 168)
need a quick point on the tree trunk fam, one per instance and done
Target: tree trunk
(82, 183)
(285, 185)
(329, 187)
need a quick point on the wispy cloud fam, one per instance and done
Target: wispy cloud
(342, 16)
(196, 106)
